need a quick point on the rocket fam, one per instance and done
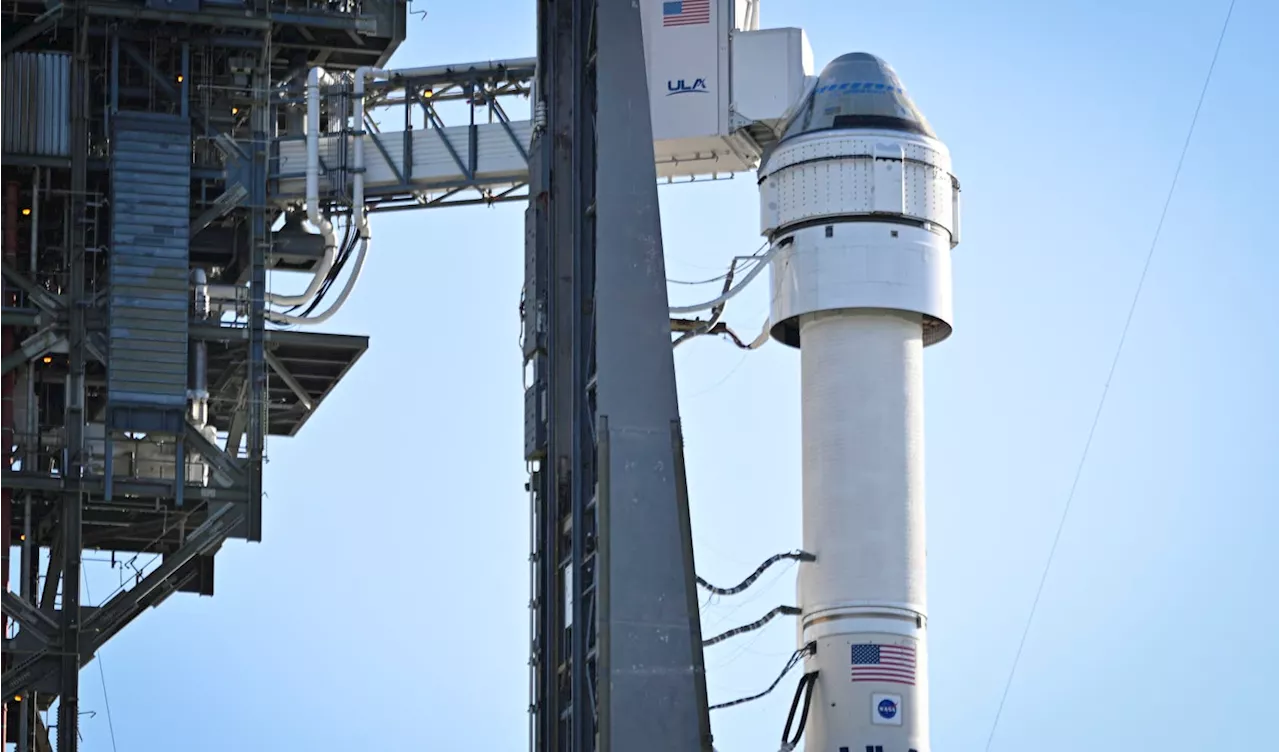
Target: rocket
(861, 209)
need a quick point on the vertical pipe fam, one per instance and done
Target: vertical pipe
(73, 495)
(27, 588)
(115, 75)
(6, 412)
(35, 222)
(186, 78)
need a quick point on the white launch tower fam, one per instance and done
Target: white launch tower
(859, 203)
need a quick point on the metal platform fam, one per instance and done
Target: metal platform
(304, 368)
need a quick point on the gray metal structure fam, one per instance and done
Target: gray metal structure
(139, 139)
(142, 144)
(617, 651)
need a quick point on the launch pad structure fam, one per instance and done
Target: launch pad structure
(148, 191)
(165, 160)
(138, 142)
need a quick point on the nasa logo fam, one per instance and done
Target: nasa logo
(699, 86)
(887, 709)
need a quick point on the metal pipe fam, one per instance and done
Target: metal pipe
(320, 318)
(318, 221)
(198, 363)
(457, 71)
(359, 216)
(35, 222)
(6, 410)
(357, 202)
(314, 217)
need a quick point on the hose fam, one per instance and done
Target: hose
(778, 611)
(805, 686)
(802, 556)
(320, 318)
(732, 292)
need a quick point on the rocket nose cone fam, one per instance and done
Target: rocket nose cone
(858, 90)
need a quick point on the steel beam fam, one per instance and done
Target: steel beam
(287, 377)
(263, 129)
(44, 22)
(227, 470)
(32, 620)
(32, 347)
(73, 495)
(113, 615)
(652, 675)
(45, 300)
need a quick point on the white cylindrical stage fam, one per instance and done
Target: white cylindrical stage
(863, 599)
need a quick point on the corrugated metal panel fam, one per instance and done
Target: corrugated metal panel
(150, 225)
(37, 113)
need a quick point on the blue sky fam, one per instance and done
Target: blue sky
(387, 605)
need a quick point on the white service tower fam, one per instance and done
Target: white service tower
(862, 211)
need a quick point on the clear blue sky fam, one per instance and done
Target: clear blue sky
(387, 606)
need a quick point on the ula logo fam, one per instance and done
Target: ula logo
(699, 86)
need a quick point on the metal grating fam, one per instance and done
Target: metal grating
(37, 101)
(149, 310)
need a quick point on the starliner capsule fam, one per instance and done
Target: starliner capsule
(860, 205)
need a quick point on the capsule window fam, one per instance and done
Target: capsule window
(831, 231)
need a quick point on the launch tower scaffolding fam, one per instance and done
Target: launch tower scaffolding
(145, 144)
(617, 654)
(139, 137)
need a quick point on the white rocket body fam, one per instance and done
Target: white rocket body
(859, 201)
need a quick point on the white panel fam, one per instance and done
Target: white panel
(769, 71)
(687, 56)
(834, 174)
(888, 193)
(862, 265)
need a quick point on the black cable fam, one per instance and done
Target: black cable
(794, 555)
(1115, 361)
(102, 672)
(349, 244)
(805, 686)
(795, 659)
(780, 610)
(346, 241)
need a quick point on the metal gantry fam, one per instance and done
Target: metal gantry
(616, 652)
(139, 139)
(616, 649)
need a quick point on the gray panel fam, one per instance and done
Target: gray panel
(36, 94)
(149, 310)
(652, 681)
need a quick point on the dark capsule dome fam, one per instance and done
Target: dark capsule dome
(857, 90)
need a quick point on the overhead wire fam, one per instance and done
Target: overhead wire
(753, 258)
(102, 672)
(733, 292)
(690, 328)
(1115, 361)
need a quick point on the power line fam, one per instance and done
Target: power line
(1115, 361)
(102, 672)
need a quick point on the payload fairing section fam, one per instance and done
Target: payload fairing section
(862, 210)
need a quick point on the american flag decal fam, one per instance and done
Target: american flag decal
(686, 12)
(884, 663)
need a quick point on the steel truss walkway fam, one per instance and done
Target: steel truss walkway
(414, 159)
